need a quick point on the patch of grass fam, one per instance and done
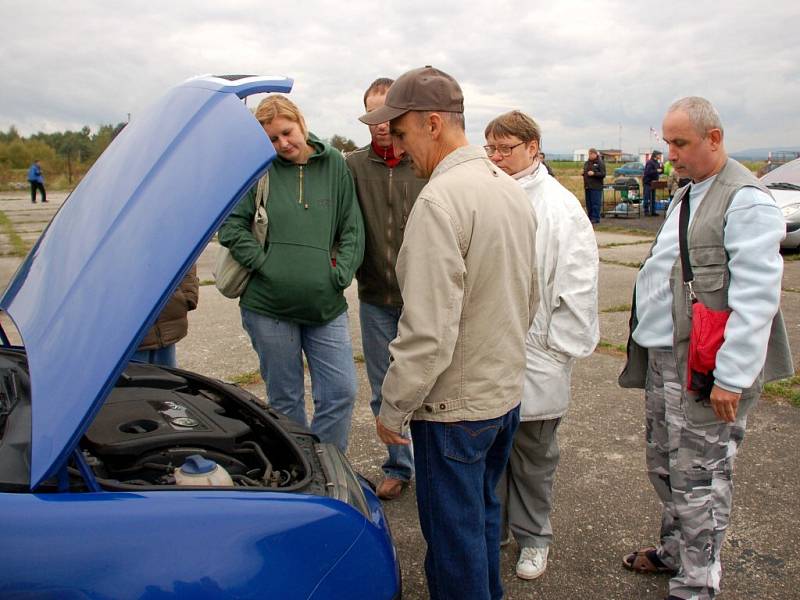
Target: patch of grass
(358, 357)
(621, 263)
(791, 257)
(249, 378)
(617, 244)
(18, 245)
(624, 230)
(611, 348)
(207, 282)
(791, 289)
(617, 308)
(788, 389)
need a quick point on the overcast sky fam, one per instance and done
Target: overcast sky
(591, 73)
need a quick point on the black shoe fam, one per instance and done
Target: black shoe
(43, 201)
(33, 201)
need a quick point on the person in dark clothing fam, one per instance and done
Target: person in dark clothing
(172, 325)
(36, 179)
(594, 171)
(652, 169)
(546, 166)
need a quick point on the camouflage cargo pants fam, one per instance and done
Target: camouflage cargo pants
(691, 469)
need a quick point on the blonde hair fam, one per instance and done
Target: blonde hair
(277, 105)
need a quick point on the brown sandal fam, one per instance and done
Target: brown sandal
(645, 560)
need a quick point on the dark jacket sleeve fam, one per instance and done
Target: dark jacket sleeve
(349, 232)
(190, 286)
(236, 233)
(600, 173)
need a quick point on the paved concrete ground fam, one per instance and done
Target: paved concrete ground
(604, 505)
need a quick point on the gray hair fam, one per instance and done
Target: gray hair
(701, 113)
(454, 119)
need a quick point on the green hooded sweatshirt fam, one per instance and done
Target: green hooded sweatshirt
(315, 239)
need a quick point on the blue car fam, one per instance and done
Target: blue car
(128, 481)
(631, 169)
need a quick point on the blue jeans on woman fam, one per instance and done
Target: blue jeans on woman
(378, 329)
(280, 346)
(458, 466)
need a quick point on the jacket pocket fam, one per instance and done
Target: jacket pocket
(469, 441)
(298, 279)
(700, 412)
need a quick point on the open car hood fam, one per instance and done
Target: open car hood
(108, 261)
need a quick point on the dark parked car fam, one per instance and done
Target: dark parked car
(631, 169)
(123, 480)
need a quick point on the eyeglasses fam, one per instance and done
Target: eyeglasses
(503, 150)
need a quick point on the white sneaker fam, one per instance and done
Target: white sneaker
(532, 562)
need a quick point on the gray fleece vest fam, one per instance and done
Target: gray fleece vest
(711, 280)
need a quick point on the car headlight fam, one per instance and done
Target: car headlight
(342, 481)
(791, 212)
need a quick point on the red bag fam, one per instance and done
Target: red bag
(708, 326)
(708, 333)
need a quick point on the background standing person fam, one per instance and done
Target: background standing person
(294, 302)
(36, 179)
(172, 325)
(652, 170)
(542, 157)
(387, 188)
(594, 172)
(565, 328)
(733, 239)
(466, 275)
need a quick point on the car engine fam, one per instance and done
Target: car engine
(154, 419)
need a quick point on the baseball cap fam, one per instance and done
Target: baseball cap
(656, 153)
(426, 88)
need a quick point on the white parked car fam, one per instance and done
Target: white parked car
(784, 183)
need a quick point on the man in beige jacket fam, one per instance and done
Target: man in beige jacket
(466, 273)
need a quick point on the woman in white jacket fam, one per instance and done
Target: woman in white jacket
(564, 328)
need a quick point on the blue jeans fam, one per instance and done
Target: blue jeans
(458, 466)
(280, 346)
(162, 356)
(649, 199)
(378, 329)
(594, 202)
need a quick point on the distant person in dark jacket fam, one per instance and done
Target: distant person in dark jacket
(172, 325)
(36, 179)
(546, 166)
(594, 172)
(652, 169)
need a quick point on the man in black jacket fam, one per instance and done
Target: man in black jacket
(652, 169)
(594, 171)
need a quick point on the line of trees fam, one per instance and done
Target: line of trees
(67, 155)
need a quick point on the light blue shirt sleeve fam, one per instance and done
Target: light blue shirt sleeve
(754, 228)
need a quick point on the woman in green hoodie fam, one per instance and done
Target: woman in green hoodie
(294, 302)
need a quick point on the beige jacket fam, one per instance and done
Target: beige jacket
(466, 271)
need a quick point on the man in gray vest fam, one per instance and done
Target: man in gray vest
(734, 233)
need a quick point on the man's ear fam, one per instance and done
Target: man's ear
(715, 137)
(433, 125)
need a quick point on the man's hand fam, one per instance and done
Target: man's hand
(724, 403)
(388, 436)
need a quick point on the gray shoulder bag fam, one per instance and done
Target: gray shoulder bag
(230, 276)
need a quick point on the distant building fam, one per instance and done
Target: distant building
(610, 155)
